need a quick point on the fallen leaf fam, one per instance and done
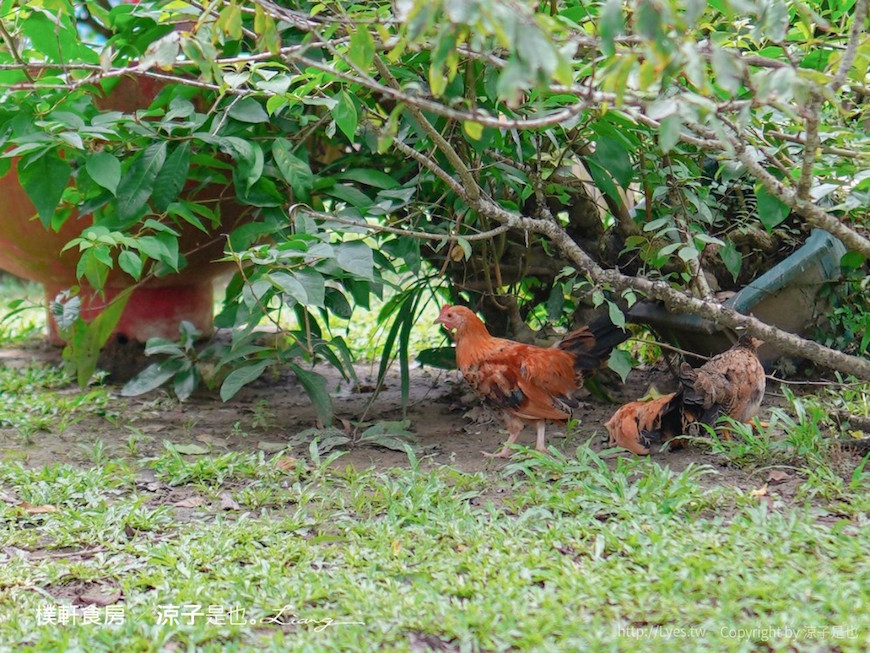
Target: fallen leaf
(759, 492)
(190, 502)
(271, 447)
(286, 463)
(100, 596)
(227, 502)
(210, 439)
(8, 498)
(191, 449)
(145, 476)
(778, 476)
(36, 510)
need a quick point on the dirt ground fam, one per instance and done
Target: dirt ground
(447, 422)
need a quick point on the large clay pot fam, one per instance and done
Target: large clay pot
(157, 307)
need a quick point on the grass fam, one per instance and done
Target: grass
(22, 310)
(563, 553)
(248, 550)
(39, 398)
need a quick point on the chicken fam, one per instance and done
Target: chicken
(730, 384)
(639, 425)
(527, 383)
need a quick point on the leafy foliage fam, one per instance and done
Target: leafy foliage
(329, 147)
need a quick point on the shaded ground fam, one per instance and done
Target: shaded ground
(201, 504)
(448, 425)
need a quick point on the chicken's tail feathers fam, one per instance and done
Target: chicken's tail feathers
(693, 395)
(641, 425)
(591, 345)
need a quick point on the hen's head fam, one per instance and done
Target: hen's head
(455, 317)
(747, 341)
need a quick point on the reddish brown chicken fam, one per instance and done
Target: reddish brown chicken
(639, 425)
(730, 384)
(527, 383)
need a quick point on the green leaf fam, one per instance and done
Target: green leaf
(92, 269)
(249, 110)
(771, 211)
(610, 25)
(230, 21)
(345, 114)
(602, 179)
(732, 258)
(337, 303)
(56, 36)
(151, 377)
(44, 181)
(171, 178)
(131, 263)
(369, 177)
(612, 153)
(249, 157)
(289, 285)
(669, 132)
(295, 171)
(84, 347)
(315, 386)
(852, 260)
(473, 129)
(616, 315)
(620, 362)
(727, 71)
(441, 357)
(241, 377)
(356, 257)
(314, 284)
(350, 194)
(362, 48)
(688, 253)
(105, 170)
(138, 183)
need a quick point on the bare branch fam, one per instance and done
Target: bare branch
(680, 302)
(838, 151)
(852, 48)
(814, 215)
(380, 228)
(472, 189)
(805, 181)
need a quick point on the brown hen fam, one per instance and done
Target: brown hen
(730, 384)
(527, 383)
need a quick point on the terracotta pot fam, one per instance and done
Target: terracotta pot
(157, 307)
(30, 251)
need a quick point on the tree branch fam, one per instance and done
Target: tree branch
(680, 302)
(852, 48)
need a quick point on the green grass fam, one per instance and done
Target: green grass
(39, 398)
(553, 553)
(22, 310)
